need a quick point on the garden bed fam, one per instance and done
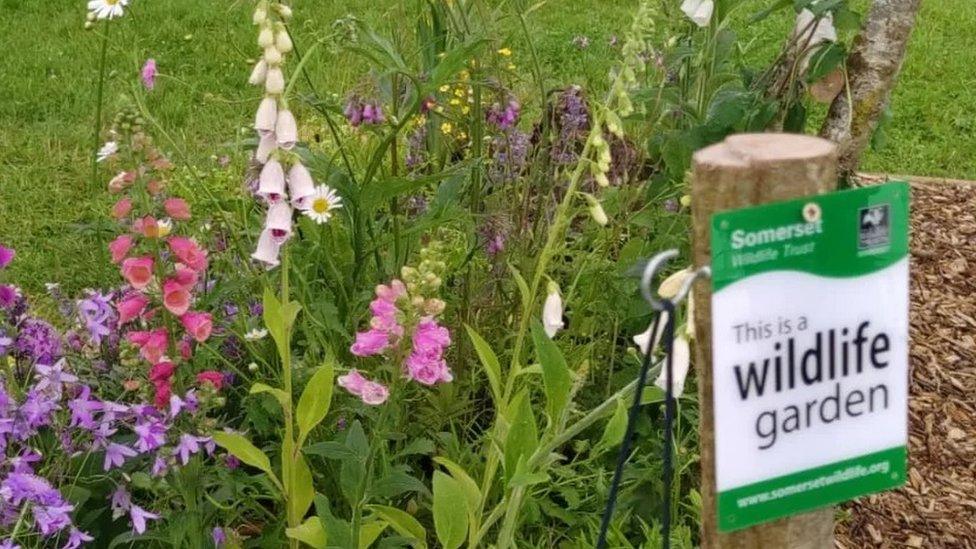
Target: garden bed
(937, 507)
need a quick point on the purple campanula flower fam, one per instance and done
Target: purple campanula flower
(36, 411)
(83, 408)
(159, 466)
(52, 378)
(139, 517)
(98, 315)
(121, 501)
(52, 518)
(77, 538)
(5, 342)
(151, 435)
(218, 536)
(232, 461)
(189, 445)
(38, 341)
(23, 462)
(115, 455)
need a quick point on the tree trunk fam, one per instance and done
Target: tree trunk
(873, 67)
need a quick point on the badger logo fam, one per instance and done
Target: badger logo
(875, 227)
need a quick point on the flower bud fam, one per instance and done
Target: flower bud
(274, 83)
(286, 129)
(259, 73)
(266, 37)
(252, 367)
(284, 11)
(267, 115)
(260, 14)
(596, 209)
(282, 40)
(272, 56)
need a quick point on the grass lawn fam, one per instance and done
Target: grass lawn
(53, 213)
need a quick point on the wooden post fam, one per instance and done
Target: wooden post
(746, 170)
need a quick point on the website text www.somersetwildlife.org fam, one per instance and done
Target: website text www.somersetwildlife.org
(841, 475)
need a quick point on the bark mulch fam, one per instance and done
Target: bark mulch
(937, 506)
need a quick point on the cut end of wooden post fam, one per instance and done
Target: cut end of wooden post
(755, 149)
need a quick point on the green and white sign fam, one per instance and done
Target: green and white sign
(810, 352)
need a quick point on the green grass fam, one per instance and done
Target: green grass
(56, 217)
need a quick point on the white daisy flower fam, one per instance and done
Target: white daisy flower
(107, 150)
(319, 206)
(256, 334)
(107, 9)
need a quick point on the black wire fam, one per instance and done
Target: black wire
(668, 337)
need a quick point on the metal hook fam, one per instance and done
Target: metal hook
(656, 264)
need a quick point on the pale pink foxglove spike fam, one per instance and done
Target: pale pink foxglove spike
(286, 129)
(300, 185)
(267, 250)
(278, 221)
(271, 184)
(267, 115)
(274, 82)
(258, 74)
(266, 144)
(680, 362)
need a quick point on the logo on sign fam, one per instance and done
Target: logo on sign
(875, 227)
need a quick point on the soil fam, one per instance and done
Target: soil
(937, 506)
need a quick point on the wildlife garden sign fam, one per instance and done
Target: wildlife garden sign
(809, 342)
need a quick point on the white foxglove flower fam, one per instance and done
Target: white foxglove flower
(278, 222)
(274, 82)
(596, 210)
(107, 150)
(300, 185)
(672, 284)
(282, 40)
(267, 115)
(680, 362)
(259, 73)
(552, 311)
(271, 182)
(824, 30)
(107, 9)
(699, 11)
(272, 56)
(267, 251)
(260, 14)
(319, 206)
(266, 144)
(643, 339)
(256, 334)
(286, 129)
(265, 37)
(690, 323)
(284, 11)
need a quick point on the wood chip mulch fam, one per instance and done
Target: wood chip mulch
(937, 507)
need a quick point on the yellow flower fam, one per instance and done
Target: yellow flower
(505, 52)
(465, 75)
(445, 88)
(455, 101)
(511, 66)
(462, 135)
(446, 128)
(459, 92)
(465, 109)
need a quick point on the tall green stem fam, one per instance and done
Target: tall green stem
(288, 444)
(99, 90)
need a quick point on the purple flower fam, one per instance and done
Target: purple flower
(189, 445)
(52, 379)
(219, 537)
(9, 296)
(148, 74)
(22, 463)
(36, 411)
(504, 117)
(159, 466)
(8, 544)
(77, 538)
(52, 518)
(139, 517)
(232, 462)
(115, 455)
(6, 256)
(98, 315)
(5, 342)
(121, 501)
(38, 341)
(152, 435)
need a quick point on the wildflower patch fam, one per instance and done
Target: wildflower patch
(810, 352)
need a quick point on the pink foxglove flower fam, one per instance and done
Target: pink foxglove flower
(371, 342)
(148, 74)
(130, 307)
(271, 182)
(259, 74)
(176, 297)
(188, 252)
(186, 277)
(266, 144)
(286, 129)
(352, 382)
(119, 248)
(214, 378)
(138, 271)
(278, 221)
(152, 344)
(177, 208)
(374, 393)
(264, 120)
(274, 82)
(122, 208)
(198, 325)
(300, 185)
(428, 368)
(267, 250)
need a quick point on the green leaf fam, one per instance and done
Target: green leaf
(279, 319)
(450, 511)
(369, 531)
(402, 522)
(471, 491)
(280, 396)
(522, 286)
(396, 483)
(315, 400)
(311, 532)
(331, 450)
(524, 477)
(523, 435)
(778, 5)
(242, 449)
(825, 60)
(556, 378)
(613, 433)
(489, 360)
(303, 489)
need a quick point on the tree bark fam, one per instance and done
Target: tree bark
(873, 66)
